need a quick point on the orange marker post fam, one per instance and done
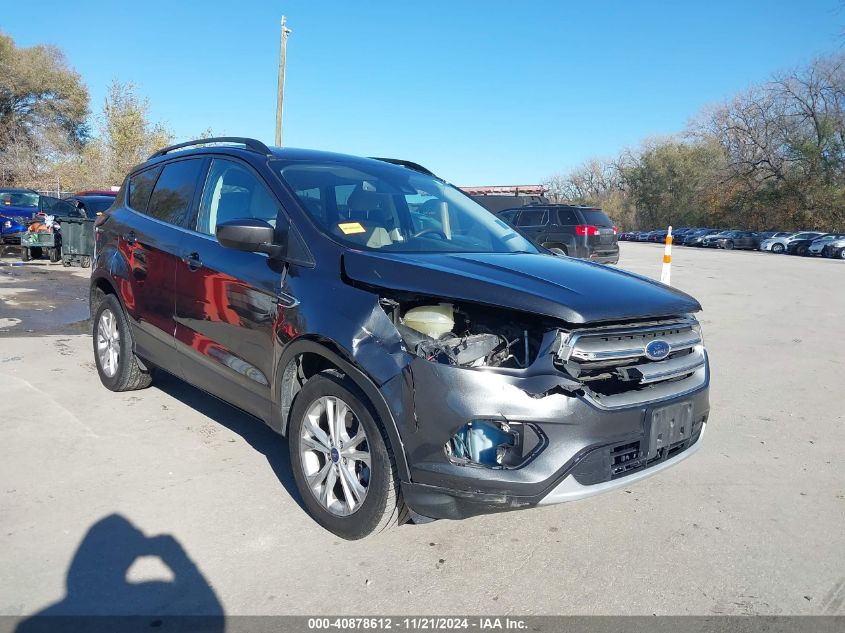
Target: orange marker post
(666, 273)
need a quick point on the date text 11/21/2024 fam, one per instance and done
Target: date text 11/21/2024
(422, 623)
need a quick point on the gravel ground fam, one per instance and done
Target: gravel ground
(167, 500)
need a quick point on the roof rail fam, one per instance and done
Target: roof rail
(248, 143)
(406, 163)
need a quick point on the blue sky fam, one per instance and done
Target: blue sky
(480, 92)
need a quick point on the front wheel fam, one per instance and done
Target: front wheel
(777, 248)
(841, 254)
(116, 362)
(729, 245)
(341, 459)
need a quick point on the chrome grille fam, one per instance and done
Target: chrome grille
(616, 370)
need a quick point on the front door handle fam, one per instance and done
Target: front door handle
(193, 261)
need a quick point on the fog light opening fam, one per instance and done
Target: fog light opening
(494, 444)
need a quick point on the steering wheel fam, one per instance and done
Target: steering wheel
(427, 231)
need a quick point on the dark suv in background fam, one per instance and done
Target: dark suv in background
(423, 358)
(582, 232)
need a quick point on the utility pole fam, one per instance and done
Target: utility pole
(283, 45)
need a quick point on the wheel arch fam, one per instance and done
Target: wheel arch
(100, 287)
(307, 356)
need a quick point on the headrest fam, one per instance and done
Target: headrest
(361, 200)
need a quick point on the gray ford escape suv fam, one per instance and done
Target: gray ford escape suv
(423, 358)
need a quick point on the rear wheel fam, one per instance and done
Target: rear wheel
(116, 362)
(55, 254)
(801, 250)
(558, 246)
(86, 262)
(341, 459)
(729, 245)
(777, 248)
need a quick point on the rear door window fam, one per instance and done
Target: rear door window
(174, 191)
(140, 188)
(533, 217)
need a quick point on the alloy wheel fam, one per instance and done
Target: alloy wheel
(108, 343)
(335, 455)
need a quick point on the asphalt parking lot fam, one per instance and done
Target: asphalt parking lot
(168, 501)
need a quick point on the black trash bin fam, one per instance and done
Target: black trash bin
(77, 241)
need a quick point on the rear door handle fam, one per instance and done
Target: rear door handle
(193, 261)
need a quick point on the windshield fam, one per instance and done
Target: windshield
(390, 208)
(805, 236)
(18, 199)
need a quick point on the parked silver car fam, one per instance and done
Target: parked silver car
(779, 244)
(830, 245)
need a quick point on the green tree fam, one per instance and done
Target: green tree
(43, 109)
(127, 134)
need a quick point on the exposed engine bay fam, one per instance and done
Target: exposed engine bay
(464, 335)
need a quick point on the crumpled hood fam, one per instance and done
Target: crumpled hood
(573, 290)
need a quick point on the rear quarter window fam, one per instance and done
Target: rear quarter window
(567, 217)
(139, 189)
(174, 191)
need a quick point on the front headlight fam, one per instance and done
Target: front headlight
(7, 224)
(696, 326)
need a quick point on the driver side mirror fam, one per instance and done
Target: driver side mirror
(253, 236)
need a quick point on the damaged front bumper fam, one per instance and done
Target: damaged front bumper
(585, 449)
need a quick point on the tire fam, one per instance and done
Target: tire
(113, 348)
(778, 248)
(841, 254)
(827, 252)
(555, 245)
(26, 254)
(55, 254)
(801, 250)
(729, 245)
(86, 262)
(320, 455)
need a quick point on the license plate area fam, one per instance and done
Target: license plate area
(669, 426)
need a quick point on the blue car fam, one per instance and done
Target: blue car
(20, 207)
(11, 229)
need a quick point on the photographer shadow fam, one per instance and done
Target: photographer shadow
(100, 595)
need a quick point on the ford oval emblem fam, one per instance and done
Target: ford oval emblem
(657, 349)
